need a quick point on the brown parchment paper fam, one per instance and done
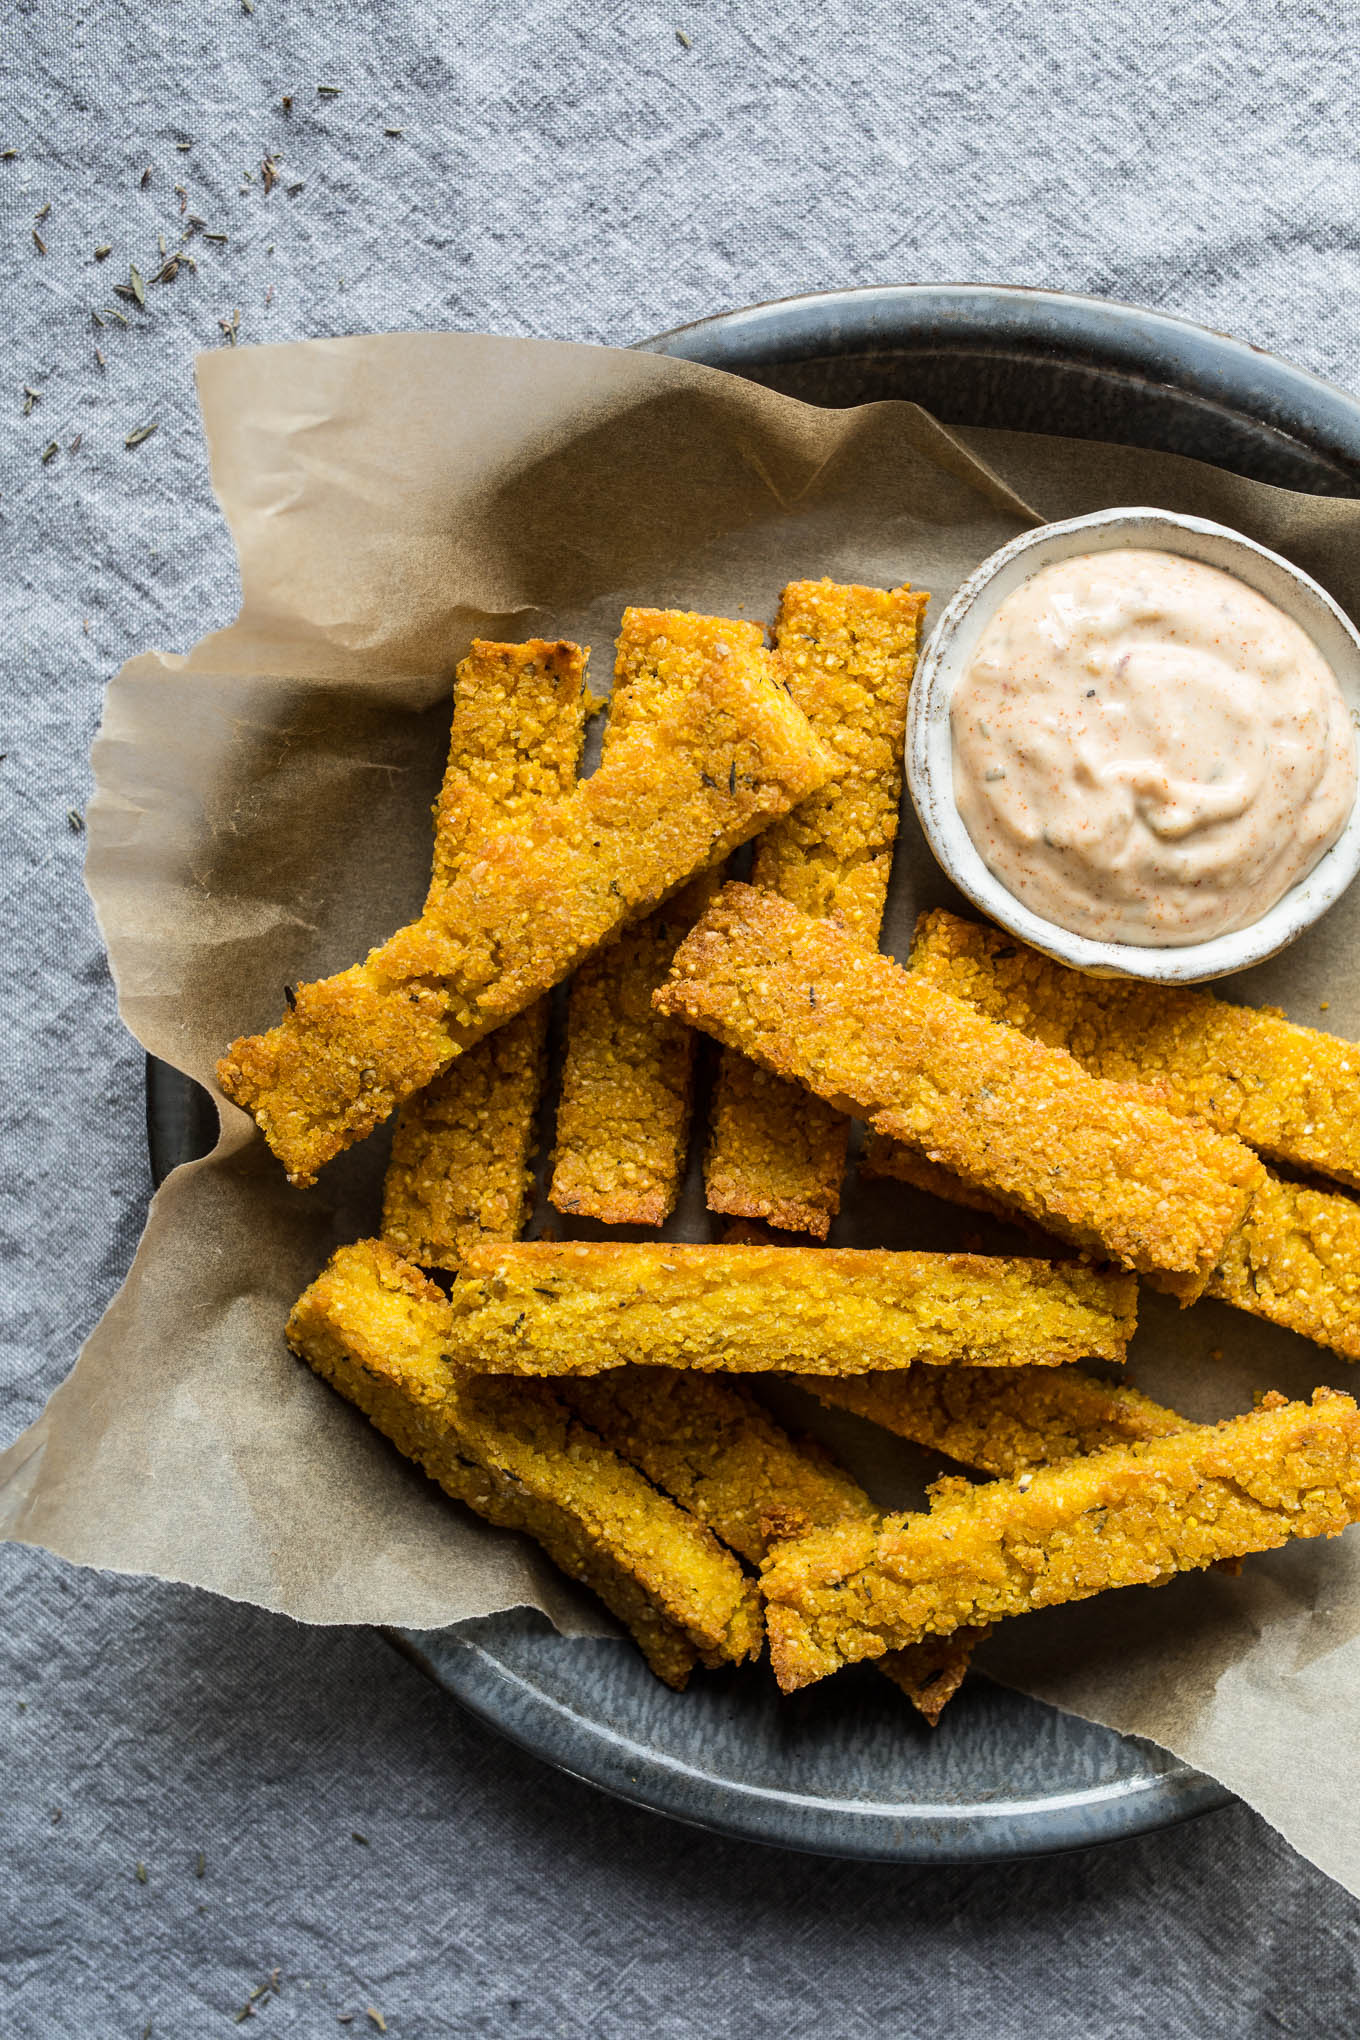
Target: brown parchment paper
(261, 815)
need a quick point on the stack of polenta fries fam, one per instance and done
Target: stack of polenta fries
(584, 1392)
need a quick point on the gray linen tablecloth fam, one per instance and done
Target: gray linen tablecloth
(585, 173)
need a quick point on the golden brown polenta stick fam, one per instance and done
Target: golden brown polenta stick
(1131, 1515)
(459, 1170)
(519, 717)
(460, 1152)
(1294, 1260)
(710, 1445)
(628, 1077)
(718, 759)
(1293, 1092)
(376, 1328)
(1001, 1420)
(540, 1307)
(1094, 1162)
(848, 654)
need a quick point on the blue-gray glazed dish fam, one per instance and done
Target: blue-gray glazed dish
(840, 1770)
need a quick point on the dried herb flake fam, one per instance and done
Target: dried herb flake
(39, 242)
(683, 39)
(141, 432)
(328, 91)
(50, 452)
(200, 1864)
(146, 177)
(43, 211)
(138, 287)
(377, 2018)
(104, 249)
(141, 1867)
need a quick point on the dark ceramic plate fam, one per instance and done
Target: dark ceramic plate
(838, 1769)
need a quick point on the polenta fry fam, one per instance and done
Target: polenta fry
(376, 1329)
(1128, 1516)
(1293, 1092)
(540, 1307)
(1000, 1420)
(628, 1077)
(519, 716)
(1295, 1261)
(714, 763)
(848, 654)
(1092, 1161)
(460, 1152)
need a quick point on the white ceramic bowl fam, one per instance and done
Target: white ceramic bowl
(930, 763)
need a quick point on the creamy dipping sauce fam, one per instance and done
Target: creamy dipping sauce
(1148, 751)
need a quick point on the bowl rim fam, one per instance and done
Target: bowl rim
(929, 769)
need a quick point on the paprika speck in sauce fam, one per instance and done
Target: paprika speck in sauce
(1148, 751)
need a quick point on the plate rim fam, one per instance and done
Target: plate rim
(868, 1831)
(1118, 333)
(1202, 362)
